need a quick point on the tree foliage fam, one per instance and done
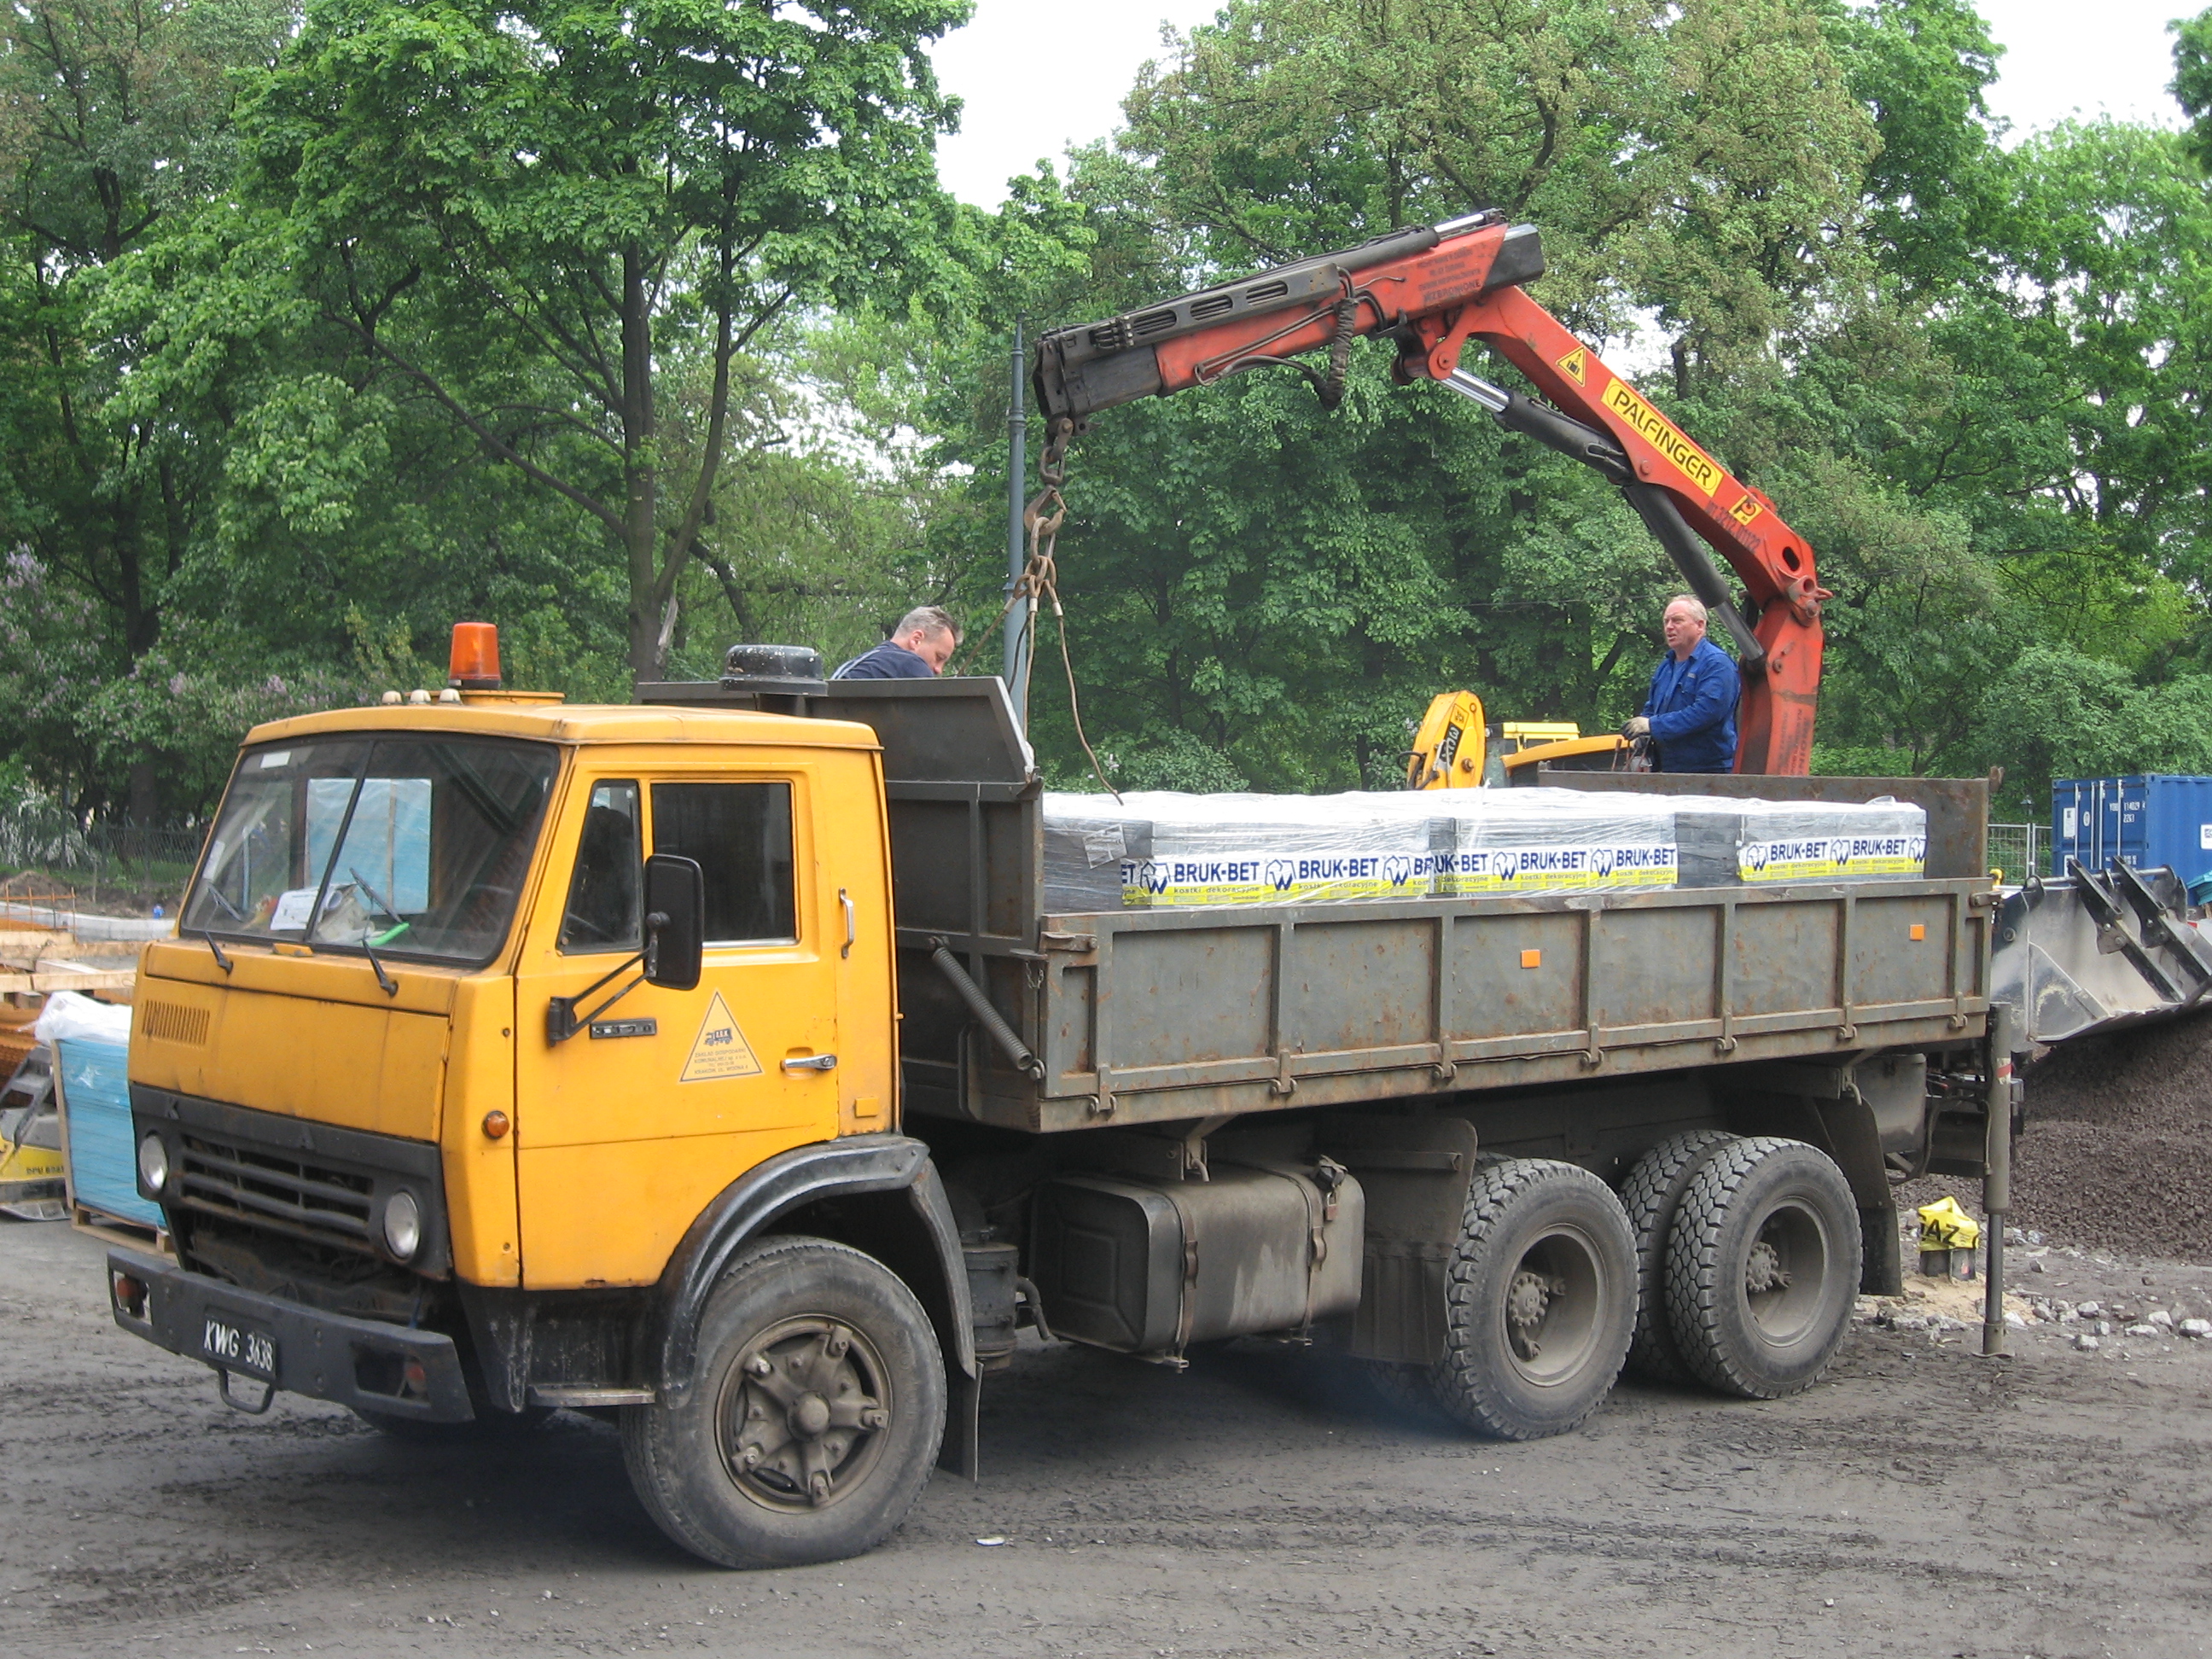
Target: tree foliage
(640, 327)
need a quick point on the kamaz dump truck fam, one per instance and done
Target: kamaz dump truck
(715, 1063)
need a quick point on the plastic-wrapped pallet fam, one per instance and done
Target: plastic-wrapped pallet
(1090, 847)
(1164, 850)
(1817, 840)
(1539, 841)
(1160, 850)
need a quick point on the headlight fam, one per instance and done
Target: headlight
(403, 1225)
(154, 1163)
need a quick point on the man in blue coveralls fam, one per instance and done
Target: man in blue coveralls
(918, 649)
(1689, 715)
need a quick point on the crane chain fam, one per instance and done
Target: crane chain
(1040, 581)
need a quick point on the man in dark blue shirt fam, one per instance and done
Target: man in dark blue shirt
(1690, 714)
(918, 649)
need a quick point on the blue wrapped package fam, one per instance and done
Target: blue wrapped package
(103, 1161)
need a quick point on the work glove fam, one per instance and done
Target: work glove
(1638, 728)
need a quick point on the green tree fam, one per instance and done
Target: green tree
(550, 217)
(116, 129)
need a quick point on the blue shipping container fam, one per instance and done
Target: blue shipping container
(2146, 821)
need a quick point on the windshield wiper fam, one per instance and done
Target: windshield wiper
(385, 982)
(221, 960)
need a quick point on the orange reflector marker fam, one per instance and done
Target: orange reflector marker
(1531, 958)
(1920, 930)
(474, 665)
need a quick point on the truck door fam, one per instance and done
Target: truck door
(626, 1130)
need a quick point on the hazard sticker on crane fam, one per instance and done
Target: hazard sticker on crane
(1575, 366)
(1663, 435)
(720, 1049)
(1747, 509)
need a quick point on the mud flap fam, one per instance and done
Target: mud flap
(960, 1451)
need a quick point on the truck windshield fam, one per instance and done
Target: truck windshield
(408, 845)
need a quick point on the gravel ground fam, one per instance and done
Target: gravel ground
(2117, 1152)
(1922, 1502)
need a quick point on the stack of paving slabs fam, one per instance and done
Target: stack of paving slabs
(1160, 850)
(1757, 843)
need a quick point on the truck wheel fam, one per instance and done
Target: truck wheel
(1540, 1301)
(1762, 1267)
(813, 1420)
(1408, 1390)
(1651, 1195)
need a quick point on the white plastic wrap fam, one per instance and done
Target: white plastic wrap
(1171, 850)
(1161, 849)
(72, 1015)
(1534, 841)
(1809, 841)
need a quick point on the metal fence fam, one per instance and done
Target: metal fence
(128, 844)
(2020, 850)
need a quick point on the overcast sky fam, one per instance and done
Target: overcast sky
(1039, 75)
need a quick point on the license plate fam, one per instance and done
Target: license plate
(238, 1347)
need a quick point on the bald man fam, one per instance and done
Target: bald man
(1690, 713)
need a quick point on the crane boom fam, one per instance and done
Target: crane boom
(1431, 289)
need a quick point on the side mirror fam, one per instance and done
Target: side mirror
(675, 921)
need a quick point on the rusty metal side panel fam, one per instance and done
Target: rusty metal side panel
(1154, 1016)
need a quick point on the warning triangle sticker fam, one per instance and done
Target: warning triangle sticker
(720, 1049)
(1576, 365)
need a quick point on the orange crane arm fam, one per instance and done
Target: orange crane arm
(1431, 289)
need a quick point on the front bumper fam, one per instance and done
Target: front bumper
(324, 1356)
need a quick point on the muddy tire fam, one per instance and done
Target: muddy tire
(1762, 1267)
(1651, 1195)
(1406, 1391)
(1539, 1302)
(814, 1418)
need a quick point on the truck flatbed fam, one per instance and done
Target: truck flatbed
(1136, 1017)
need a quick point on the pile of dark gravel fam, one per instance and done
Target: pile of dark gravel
(2117, 1150)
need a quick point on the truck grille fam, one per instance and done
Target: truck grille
(273, 1188)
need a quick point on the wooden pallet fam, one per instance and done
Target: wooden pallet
(115, 1230)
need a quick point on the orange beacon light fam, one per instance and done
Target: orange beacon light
(474, 665)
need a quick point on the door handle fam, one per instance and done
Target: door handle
(811, 1063)
(852, 921)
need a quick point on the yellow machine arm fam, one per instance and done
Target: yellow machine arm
(1448, 750)
(1452, 746)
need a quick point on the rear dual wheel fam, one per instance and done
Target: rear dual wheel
(1763, 1261)
(1540, 1304)
(1652, 1195)
(814, 1419)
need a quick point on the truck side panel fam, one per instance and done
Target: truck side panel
(1231, 1012)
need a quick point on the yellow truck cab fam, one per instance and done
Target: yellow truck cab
(735, 1064)
(446, 1129)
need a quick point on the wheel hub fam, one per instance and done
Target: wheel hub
(804, 1414)
(1764, 1271)
(1527, 1300)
